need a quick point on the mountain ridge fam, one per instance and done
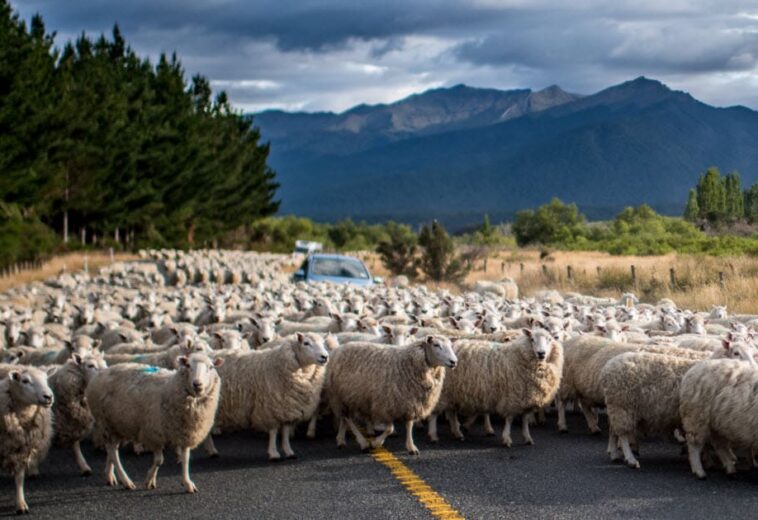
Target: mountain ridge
(638, 141)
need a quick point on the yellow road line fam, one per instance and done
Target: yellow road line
(423, 492)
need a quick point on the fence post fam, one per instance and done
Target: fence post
(634, 276)
(544, 270)
(522, 268)
(502, 267)
(485, 264)
(672, 276)
(598, 270)
(86, 263)
(110, 251)
(721, 279)
(569, 273)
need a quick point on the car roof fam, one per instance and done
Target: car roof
(334, 257)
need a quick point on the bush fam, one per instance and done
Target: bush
(398, 250)
(552, 224)
(439, 261)
(23, 238)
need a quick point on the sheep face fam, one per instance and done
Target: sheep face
(13, 329)
(718, 312)
(740, 350)
(310, 350)
(90, 364)
(670, 323)
(490, 323)
(199, 373)
(29, 386)
(36, 338)
(541, 341)
(695, 325)
(12, 357)
(368, 325)
(613, 332)
(439, 352)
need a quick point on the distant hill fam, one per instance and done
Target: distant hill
(460, 152)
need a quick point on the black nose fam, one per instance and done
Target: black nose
(453, 363)
(47, 398)
(324, 359)
(541, 355)
(197, 385)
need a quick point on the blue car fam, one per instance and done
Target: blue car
(334, 268)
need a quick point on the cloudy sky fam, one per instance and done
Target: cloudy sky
(333, 54)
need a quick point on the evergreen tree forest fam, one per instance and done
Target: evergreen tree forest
(99, 144)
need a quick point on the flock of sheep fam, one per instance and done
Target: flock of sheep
(170, 350)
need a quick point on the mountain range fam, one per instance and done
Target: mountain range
(457, 153)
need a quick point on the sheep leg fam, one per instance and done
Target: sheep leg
(379, 441)
(110, 473)
(525, 419)
(590, 416)
(273, 453)
(628, 455)
(753, 459)
(562, 428)
(151, 482)
(341, 442)
(469, 422)
(362, 442)
(286, 434)
(209, 446)
(120, 471)
(541, 417)
(696, 464)
(725, 455)
(311, 434)
(455, 425)
(21, 506)
(613, 447)
(409, 445)
(507, 442)
(186, 482)
(488, 429)
(432, 432)
(81, 461)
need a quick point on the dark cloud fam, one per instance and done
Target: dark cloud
(331, 54)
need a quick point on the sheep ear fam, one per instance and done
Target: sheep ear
(182, 361)
(240, 327)
(625, 327)
(77, 359)
(218, 335)
(705, 322)
(96, 344)
(527, 332)
(430, 340)
(218, 362)
(413, 331)
(726, 344)
(14, 375)
(279, 320)
(387, 329)
(300, 337)
(68, 345)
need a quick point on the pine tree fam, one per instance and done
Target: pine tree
(711, 196)
(438, 260)
(751, 204)
(692, 210)
(398, 250)
(735, 208)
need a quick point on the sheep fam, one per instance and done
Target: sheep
(509, 379)
(26, 426)
(381, 385)
(155, 408)
(51, 356)
(718, 402)
(585, 356)
(73, 420)
(162, 358)
(272, 389)
(642, 394)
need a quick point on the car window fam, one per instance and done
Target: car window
(339, 267)
(304, 267)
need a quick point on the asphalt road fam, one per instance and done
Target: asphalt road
(562, 476)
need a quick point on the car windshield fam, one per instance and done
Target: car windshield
(339, 267)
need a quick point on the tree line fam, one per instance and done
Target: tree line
(717, 200)
(98, 143)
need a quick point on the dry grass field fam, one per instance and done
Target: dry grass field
(697, 278)
(70, 262)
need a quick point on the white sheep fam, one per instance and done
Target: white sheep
(272, 389)
(382, 385)
(155, 408)
(508, 379)
(73, 420)
(26, 426)
(718, 404)
(642, 394)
